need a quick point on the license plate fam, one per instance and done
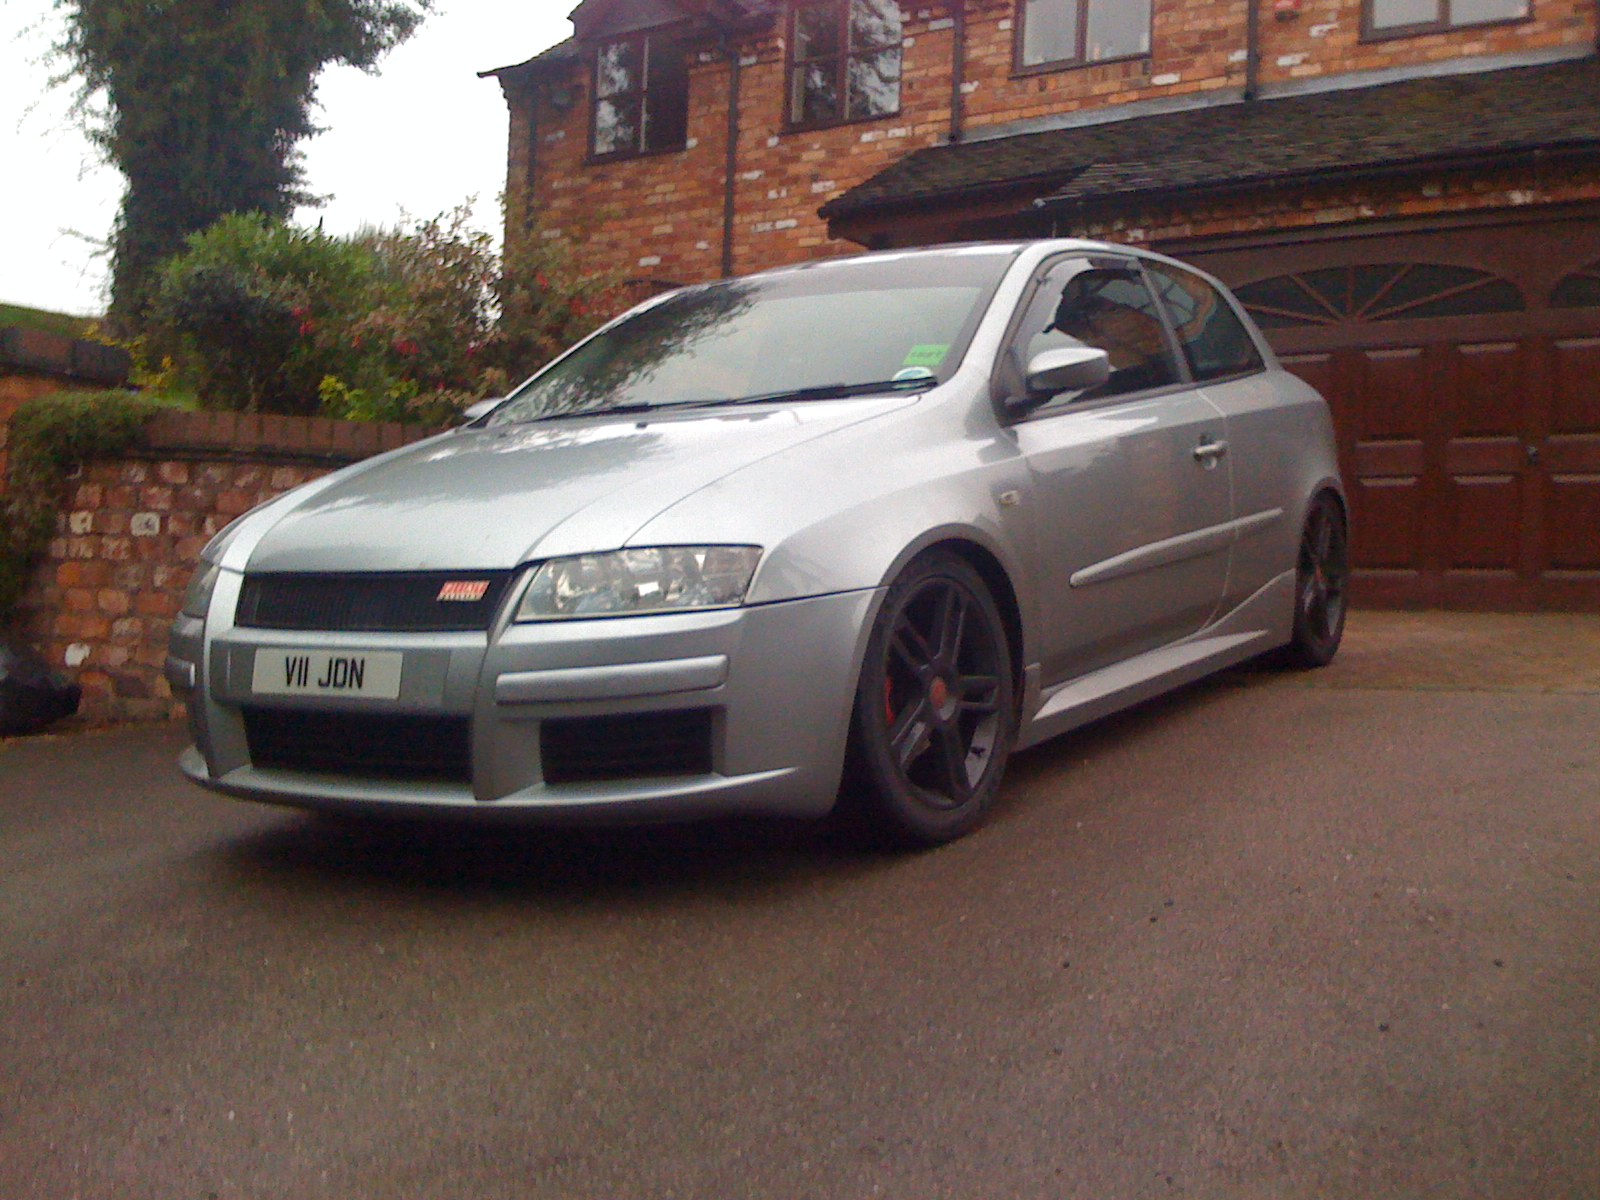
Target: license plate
(373, 675)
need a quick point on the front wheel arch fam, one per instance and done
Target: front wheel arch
(1004, 595)
(934, 715)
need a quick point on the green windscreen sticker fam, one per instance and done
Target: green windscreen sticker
(925, 356)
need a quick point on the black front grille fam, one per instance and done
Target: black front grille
(371, 603)
(364, 745)
(637, 746)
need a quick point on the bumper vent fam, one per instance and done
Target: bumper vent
(372, 603)
(361, 745)
(636, 746)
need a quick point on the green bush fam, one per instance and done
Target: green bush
(387, 325)
(49, 436)
(239, 312)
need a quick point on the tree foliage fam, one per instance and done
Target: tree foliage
(203, 104)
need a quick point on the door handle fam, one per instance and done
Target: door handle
(1207, 452)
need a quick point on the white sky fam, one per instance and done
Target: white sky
(417, 138)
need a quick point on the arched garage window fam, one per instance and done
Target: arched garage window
(1377, 292)
(1581, 289)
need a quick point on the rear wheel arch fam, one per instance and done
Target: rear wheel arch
(1322, 576)
(1328, 489)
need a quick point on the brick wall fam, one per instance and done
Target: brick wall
(1325, 39)
(101, 603)
(663, 213)
(1199, 45)
(661, 216)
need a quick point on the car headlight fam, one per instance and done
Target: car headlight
(634, 582)
(198, 598)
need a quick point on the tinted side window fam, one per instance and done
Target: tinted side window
(1105, 304)
(1213, 338)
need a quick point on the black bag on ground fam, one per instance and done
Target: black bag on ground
(31, 694)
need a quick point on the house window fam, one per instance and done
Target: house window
(844, 62)
(1386, 18)
(1056, 33)
(641, 97)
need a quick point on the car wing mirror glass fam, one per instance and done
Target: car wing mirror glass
(1051, 372)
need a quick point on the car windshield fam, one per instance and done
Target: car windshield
(878, 323)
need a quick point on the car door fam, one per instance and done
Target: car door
(1267, 434)
(1129, 490)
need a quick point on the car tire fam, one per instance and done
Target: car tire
(1321, 583)
(934, 713)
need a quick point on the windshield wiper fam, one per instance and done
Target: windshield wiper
(615, 410)
(825, 391)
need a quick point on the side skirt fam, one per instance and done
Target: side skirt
(1264, 621)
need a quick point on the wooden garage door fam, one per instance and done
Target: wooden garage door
(1467, 402)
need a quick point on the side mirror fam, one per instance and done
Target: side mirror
(1052, 372)
(481, 408)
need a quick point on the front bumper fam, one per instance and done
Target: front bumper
(771, 686)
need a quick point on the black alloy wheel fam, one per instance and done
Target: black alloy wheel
(934, 712)
(1322, 580)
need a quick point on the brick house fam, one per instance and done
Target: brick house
(1406, 192)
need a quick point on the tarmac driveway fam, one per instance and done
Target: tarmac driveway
(1325, 935)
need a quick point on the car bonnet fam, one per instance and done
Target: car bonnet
(498, 497)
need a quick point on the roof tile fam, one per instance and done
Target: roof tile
(1382, 126)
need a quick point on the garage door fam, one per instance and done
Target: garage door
(1463, 369)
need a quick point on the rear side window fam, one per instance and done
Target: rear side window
(1213, 337)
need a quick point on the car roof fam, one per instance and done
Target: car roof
(1035, 247)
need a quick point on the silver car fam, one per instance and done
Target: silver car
(849, 532)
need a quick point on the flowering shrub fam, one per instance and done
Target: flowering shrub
(241, 312)
(387, 325)
(547, 299)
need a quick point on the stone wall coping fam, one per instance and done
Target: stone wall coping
(258, 435)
